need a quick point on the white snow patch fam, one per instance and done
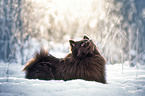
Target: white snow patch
(122, 81)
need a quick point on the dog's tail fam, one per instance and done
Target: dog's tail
(41, 56)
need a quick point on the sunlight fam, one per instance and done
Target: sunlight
(80, 10)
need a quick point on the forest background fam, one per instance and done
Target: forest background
(116, 26)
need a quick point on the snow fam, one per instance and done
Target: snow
(122, 81)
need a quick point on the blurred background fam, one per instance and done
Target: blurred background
(117, 27)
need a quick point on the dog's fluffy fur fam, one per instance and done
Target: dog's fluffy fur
(84, 62)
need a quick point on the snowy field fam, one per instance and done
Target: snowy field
(126, 82)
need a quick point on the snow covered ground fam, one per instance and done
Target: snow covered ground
(126, 82)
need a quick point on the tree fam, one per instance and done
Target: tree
(10, 27)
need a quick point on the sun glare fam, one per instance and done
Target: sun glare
(69, 13)
(72, 8)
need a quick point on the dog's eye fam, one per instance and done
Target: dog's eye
(84, 44)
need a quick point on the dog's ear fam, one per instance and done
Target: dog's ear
(72, 43)
(85, 37)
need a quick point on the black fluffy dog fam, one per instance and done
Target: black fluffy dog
(84, 62)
